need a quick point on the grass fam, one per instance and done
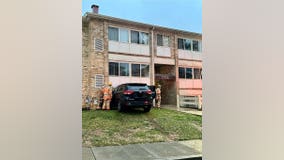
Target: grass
(105, 128)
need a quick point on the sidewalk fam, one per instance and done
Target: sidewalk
(182, 150)
(186, 110)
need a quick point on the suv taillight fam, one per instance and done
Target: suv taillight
(128, 92)
(149, 91)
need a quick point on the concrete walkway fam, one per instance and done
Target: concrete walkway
(182, 150)
(186, 110)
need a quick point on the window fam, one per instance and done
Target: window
(144, 70)
(143, 38)
(187, 44)
(195, 45)
(113, 69)
(181, 72)
(163, 40)
(188, 73)
(135, 70)
(180, 43)
(134, 37)
(197, 73)
(139, 37)
(159, 40)
(124, 69)
(118, 34)
(123, 35)
(113, 33)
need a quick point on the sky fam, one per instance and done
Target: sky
(178, 14)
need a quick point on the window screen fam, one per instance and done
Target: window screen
(144, 70)
(113, 33)
(124, 69)
(113, 69)
(188, 73)
(197, 73)
(135, 70)
(134, 37)
(123, 35)
(181, 72)
(180, 43)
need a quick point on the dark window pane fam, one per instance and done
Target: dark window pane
(187, 44)
(197, 73)
(195, 45)
(134, 37)
(113, 33)
(124, 69)
(113, 69)
(135, 70)
(188, 73)
(159, 40)
(144, 70)
(181, 72)
(180, 43)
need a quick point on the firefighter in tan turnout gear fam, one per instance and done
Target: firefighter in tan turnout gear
(107, 95)
(158, 96)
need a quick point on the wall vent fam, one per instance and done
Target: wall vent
(99, 45)
(99, 80)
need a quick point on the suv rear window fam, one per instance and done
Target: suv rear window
(135, 88)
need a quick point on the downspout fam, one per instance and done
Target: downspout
(152, 81)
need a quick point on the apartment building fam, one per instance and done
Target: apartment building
(123, 51)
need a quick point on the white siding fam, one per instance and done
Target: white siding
(128, 58)
(129, 48)
(163, 51)
(184, 54)
(120, 80)
(164, 61)
(189, 63)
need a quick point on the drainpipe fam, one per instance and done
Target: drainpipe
(152, 81)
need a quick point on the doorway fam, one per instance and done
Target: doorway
(165, 76)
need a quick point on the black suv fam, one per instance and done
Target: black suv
(132, 95)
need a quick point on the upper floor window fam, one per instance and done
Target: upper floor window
(163, 40)
(118, 34)
(196, 45)
(197, 73)
(122, 35)
(113, 33)
(190, 73)
(188, 44)
(139, 37)
(184, 44)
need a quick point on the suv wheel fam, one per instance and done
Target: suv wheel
(147, 109)
(120, 107)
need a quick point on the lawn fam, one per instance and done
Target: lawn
(105, 128)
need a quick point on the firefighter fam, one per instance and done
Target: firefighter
(107, 95)
(88, 102)
(158, 96)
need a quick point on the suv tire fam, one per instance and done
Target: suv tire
(147, 109)
(120, 107)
